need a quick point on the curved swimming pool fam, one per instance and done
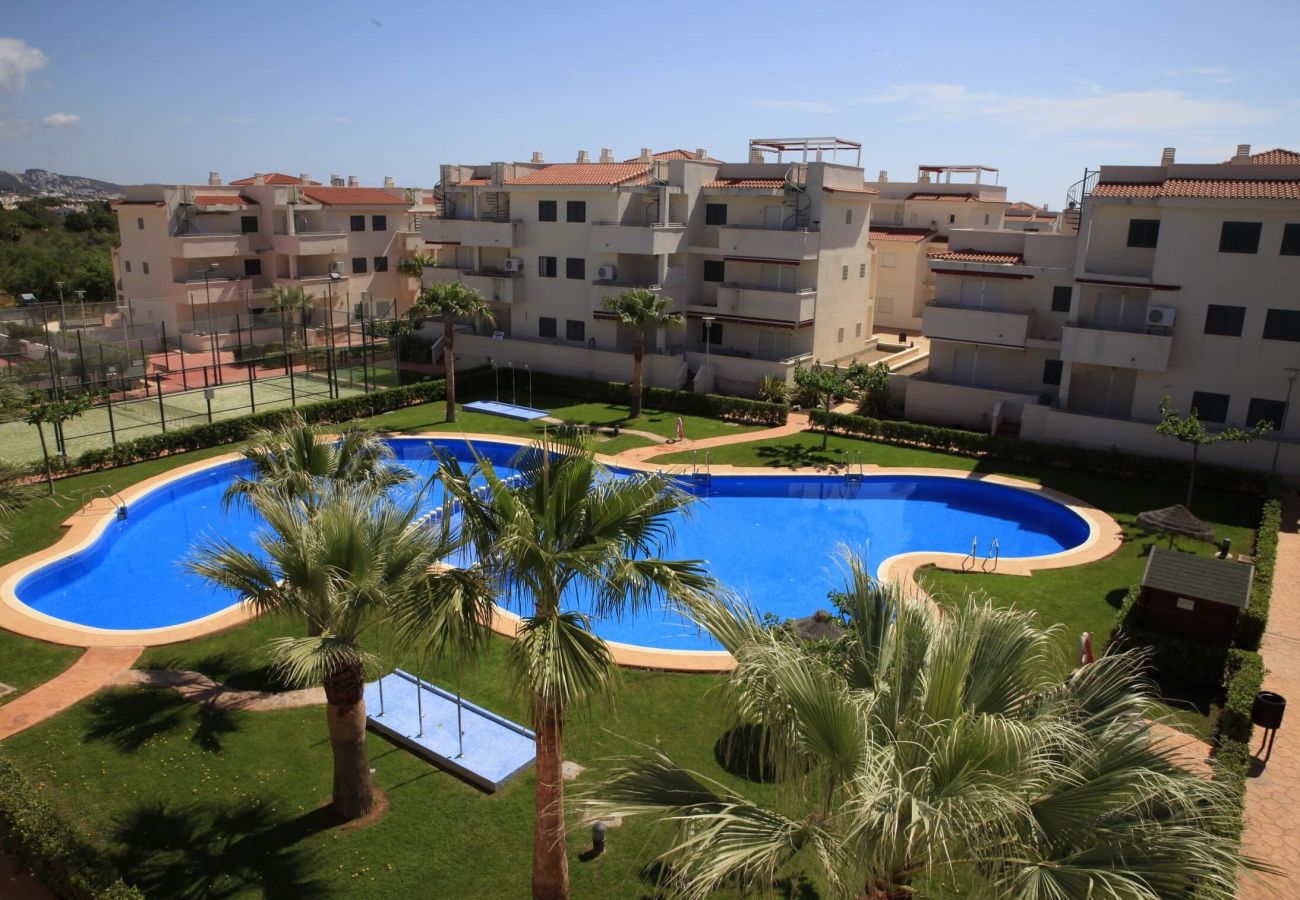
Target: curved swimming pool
(772, 538)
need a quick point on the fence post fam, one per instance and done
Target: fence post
(252, 394)
(167, 360)
(162, 410)
(112, 432)
(239, 341)
(207, 396)
(81, 357)
(293, 393)
(351, 359)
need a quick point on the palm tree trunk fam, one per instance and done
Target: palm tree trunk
(449, 363)
(550, 861)
(345, 713)
(638, 357)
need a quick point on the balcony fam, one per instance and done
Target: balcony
(602, 289)
(652, 240)
(471, 232)
(496, 287)
(207, 246)
(410, 241)
(769, 243)
(754, 302)
(1123, 349)
(975, 325)
(313, 282)
(311, 243)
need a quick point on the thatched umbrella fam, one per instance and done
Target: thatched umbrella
(1175, 520)
(820, 626)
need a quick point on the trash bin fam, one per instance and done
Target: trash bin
(1268, 710)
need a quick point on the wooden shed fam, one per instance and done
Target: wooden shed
(1193, 595)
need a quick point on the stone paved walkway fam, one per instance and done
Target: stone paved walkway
(96, 668)
(1272, 830)
(797, 422)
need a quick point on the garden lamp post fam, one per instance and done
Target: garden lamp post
(207, 291)
(61, 316)
(1291, 374)
(708, 339)
(81, 299)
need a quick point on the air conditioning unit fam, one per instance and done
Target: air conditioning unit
(606, 273)
(1161, 315)
(514, 264)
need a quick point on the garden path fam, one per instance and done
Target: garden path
(96, 668)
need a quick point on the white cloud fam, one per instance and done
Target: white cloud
(17, 61)
(796, 106)
(59, 119)
(1094, 111)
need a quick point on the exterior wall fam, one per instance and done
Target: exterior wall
(1206, 621)
(901, 288)
(666, 371)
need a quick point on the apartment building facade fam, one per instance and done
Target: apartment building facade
(767, 260)
(910, 221)
(193, 257)
(1181, 282)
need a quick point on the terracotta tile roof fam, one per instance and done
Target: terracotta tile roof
(679, 153)
(223, 200)
(943, 195)
(982, 256)
(586, 174)
(850, 190)
(1204, 188)
(746, 183)
(353, 196)
(898, 234)
(474, 182)
(274, 178)
(1275, 157)
(1021, 205)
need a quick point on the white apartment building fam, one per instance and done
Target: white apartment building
(768, 260)
(1182, 281)
(193, 257)
(1027, 217)
(910, 221)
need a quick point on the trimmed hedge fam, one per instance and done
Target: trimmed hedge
(1243, 680)
(1176, 660)
(714, 406)
(60, 858)
(1253, 620)
(975, 443)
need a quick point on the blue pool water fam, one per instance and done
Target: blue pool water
(773, 539)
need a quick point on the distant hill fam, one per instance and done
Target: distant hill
(39, 182)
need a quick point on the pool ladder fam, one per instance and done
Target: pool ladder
(988, 563)
(851, 477)
(106, 491)
(698, 477)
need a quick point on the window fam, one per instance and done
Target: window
(546, 327)
(844, 273)
(357, 223)
(546, 266)
(126, 264)
(857, 330)
(575, 211)
(248, 224)
(252, 267)
(1291, 239)
(1052, 371)
(839, 335)
(986, 218)
(711, 333)
(715, 214)
(1224, 319)
(546, 210)
(381, 262)
(888, 260)
(379, 223)
(1261, 410)
(952, 220)
(715, 270)
(1282, 325)
(139, 222)
(575, 268)
(1061, 294)
(848, 216)
(1210, 407)
(144, 268)
(575, 330)
(1143, 232)
(1240, 237)
(358, 265)
(862, 270)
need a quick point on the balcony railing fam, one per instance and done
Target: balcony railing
(975, 324)
(753, 301)
(761, 242)
(201, 246)
(472, 232)
(310, 243)
(654, 240)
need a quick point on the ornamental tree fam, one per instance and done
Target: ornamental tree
(1190, 430)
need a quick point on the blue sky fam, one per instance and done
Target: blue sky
(134, 91)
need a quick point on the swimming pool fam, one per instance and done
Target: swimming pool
(772, 538)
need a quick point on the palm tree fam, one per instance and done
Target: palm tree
(450, 300)
(295, 461)
(944, 746)
(15, 491)
(292, 298)
(642, 311)
(347, 565)
(415, 264)
(568, 529)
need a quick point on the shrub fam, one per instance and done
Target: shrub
(1173, 659)
(61, 859)
(1244, 678)
(1253, 620)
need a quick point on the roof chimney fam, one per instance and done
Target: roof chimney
(883, 177)
(923, 178)
(259, 178)
(304, 177)
(606, 155)
(1243, 154)
(352, 181)
(537, 156)
(582, 156)
(1167, 157)
(214, 178)
(755, 155)
(336, 181)
(701, 153)
(388, 181)
(646, 155)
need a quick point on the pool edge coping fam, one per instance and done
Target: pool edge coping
(85, 525)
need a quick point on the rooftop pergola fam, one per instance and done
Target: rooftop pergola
(948, 171)
(803, 146)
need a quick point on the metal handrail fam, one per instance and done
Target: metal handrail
(994, 555)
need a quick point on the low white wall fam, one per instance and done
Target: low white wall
(566, 359)
(968, 407)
